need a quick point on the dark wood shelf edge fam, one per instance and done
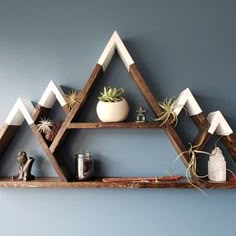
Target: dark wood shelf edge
(131, 125)
(55, 182)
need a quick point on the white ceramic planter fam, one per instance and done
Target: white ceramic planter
(112, 111)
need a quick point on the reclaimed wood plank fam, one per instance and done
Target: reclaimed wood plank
(54, 182)
(144, 89)
(153, 103)
(58, 164)
(7, 133)
(230, 143)
(95, 75)
(121, 125)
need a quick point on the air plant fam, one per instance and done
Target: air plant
(168, 114)
(56, 127)
(72, 98)
(45, 126)
(111, 94)
(191, 170)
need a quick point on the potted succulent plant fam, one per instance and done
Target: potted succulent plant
(112, 107)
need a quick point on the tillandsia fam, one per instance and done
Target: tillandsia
(45, 126)
(56, 127)
(191, 170)
(111, 94)
(168, 106)
(72, 98)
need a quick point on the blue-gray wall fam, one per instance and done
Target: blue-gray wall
(176, 44)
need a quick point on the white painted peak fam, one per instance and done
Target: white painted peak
(187, 100)
(52, 93)
(218, 124)
(115, 43)
(22, 110)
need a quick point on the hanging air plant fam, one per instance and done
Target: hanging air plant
(168, 114)
(72, 98)
(191, 171)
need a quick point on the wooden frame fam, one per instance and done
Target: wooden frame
(24, 110)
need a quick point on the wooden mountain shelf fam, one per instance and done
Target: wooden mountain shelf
(55, 182)
(122, 125)
(24, 110)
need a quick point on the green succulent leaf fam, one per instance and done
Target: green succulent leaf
(111, 94)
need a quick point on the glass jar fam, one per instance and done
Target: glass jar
(84, 166)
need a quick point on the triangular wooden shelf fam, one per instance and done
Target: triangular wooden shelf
(24, 109)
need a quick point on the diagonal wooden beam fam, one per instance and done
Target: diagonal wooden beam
(201, 121)
(8, 132)
(144, 89)
(230, 143)
(153, 103)
(6, 135)
(95, 75)
(39, 111)
(201, 140)
(58, 164)
(203, 136)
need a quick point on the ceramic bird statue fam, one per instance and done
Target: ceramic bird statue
(22, 158)
(25, 167)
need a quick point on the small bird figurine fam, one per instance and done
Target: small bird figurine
(22, 158)
(24, 172)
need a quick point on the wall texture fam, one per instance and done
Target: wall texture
(176, 44)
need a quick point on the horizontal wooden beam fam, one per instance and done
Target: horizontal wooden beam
(54, 182)
(101, 125)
